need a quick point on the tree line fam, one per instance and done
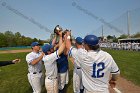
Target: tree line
(10, 39)
(123, 36)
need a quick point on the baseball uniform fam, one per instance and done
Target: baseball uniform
(51, 81)
(96, 67)
(77, 74)
(35, 72)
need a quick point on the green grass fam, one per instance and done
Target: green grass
(129, 64)
(13, 78)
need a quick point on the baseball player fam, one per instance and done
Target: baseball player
(77, 74)
(96, 65)
(34, 61)
(51, 80)
(62, 63)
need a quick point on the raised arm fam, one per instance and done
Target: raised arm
(61, 44)
(53, 41)
(68, 41)
(60, 38)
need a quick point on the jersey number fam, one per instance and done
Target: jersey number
(97, 68)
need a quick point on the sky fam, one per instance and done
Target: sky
(37, 18)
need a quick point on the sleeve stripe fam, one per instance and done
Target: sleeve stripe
(69, 53)
(115, 71)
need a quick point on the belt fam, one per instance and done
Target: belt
(52, 78)
(35, 72)
(78, 68)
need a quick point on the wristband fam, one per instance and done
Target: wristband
(68, 37)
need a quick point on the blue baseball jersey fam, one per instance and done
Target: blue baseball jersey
(62, 63)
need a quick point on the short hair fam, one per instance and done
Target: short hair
(96, 47)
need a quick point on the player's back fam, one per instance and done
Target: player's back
(96, 69)
(50, 65)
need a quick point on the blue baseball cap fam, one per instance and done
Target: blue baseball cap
(46, 48)
(79, 40)
(34, 44)
(91, 40)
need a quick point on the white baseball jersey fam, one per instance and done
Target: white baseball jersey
(34, 68)
(35, 76)
(50, 64)
(51, 82)
(96, 68)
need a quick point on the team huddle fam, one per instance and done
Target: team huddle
(94, 69)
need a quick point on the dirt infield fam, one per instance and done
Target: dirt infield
(15, 51)
(126, 86)
(123, 85)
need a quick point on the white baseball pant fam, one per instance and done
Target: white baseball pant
(51, 85)
(63, 79)
(36, 81)
(77, 80)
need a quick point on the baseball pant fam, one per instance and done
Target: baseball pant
(63, 79)
(67, 77)
(51, 85)
(77, 80)
(36, 81)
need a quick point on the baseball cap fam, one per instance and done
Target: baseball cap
(79, 40)
(46, 48)
(91, 40)
(34, 44)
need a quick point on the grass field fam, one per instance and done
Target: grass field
(129, 64)
(13, 78)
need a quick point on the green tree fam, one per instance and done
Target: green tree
(10, 38)
(3, 42)
(109, 37)
(17, 35)
(28, 41)
(17, 38)
(41, 42)
(123, 36)
(35, 40)
(137, 35)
